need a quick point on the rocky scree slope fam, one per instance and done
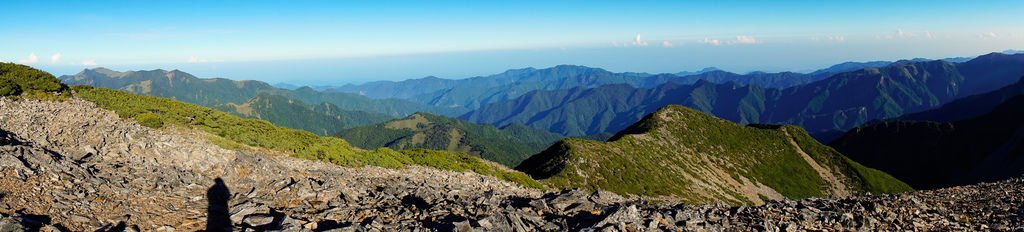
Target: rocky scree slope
(85, 168)
(72, 166)
(683, 153)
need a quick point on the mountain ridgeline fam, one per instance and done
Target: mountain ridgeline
(686, 154)
(508, 145)
(213, 91)
(975, 139)
(840, 102)
(474, 92)
(321, 113)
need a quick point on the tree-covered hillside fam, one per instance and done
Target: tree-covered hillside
(509, 145)
(321, 119)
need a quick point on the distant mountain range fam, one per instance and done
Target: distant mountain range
(842, 101)
(302, 108)
(686, 154)
(474, 92)
(850, 66)
(1012, 51)
(582, 101)
(471, 93)
(971, 140)
(508, 145)
(212, 91)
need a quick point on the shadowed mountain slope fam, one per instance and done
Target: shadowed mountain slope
(929, 154)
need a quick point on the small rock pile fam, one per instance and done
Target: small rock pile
(70, 166)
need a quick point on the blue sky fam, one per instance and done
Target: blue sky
(334, 42)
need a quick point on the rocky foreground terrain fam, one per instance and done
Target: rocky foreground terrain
(69, 166)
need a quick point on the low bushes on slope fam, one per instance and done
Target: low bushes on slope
(21, 80)
(158, 112)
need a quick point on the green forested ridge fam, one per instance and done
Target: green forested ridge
(508, 145)
(232, 131)
(18, 80)
(843, 101)
(322, 119)
(682, 152)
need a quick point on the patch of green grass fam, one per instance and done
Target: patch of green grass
(150, 120)
(224, 143)
(877, 181)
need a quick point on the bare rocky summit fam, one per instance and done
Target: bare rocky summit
(70, 166)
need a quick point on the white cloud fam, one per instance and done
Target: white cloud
(743, 39)
(638, 42)
(989, 35)
(89, 62)
(712, 42)
(55, 58)
(193, 59)
(837, 38)
(900, 33)
(32, 59)
(746, 39)
(667, 44)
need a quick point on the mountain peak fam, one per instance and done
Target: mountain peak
(702, 154)
(575, 67)
(708, 69)
(668, 116)
(102, 70)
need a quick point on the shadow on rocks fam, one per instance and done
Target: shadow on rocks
(217, 211)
